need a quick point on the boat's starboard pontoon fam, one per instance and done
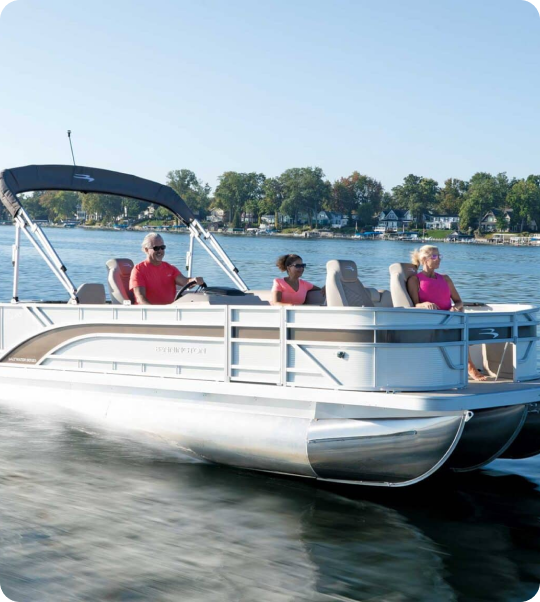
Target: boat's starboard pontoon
(357, 387)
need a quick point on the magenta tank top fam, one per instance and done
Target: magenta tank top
(434, 290)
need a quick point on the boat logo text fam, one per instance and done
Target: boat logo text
(82, 176)
(186, 350)
(490, 332)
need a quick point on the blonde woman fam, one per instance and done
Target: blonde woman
(430, 290)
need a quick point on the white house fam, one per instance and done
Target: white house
(216, 215)
(332, 219)
(394, 220)
(441, 222)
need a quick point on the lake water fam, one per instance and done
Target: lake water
(92, 515)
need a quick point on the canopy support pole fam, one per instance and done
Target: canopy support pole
(217, 253)
(15, 261)
(189, 255)
(45, 249)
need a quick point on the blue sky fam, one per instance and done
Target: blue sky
(439, 88)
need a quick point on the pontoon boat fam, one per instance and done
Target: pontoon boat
(358, 387)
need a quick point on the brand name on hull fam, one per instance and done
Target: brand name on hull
(183, 350)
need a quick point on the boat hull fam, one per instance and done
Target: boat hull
(287, 431)
(527, 443)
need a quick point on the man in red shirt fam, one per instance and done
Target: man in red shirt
(154, 281)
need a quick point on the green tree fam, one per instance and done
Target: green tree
(304, 191)
(106, 206)
(60, 205)
(451, 196)
(485, 192)
(357, 193)
(239, 192)
(34, 207)
(132, 208)
(417, 194)
(524, 199)
(193, 191)
(272, 198)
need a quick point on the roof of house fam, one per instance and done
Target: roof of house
(399, 213)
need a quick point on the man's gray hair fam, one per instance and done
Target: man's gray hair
(148, 239)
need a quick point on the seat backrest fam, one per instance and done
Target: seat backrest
(91, 293)
(118, 280)
(343, 287)
(380, 298)
(399, 274)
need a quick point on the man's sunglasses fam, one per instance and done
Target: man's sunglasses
(159, 248)
(297, 265)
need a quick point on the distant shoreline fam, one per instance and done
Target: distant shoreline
(509, 240)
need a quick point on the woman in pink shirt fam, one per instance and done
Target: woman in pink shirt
(291, 290)
(429, 290)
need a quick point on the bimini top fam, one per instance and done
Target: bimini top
(87, 179)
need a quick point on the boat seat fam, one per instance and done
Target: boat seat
(343, 289)
(91, 294)
(118, 280)
(399, 274)
(380, 298)
(315, 298)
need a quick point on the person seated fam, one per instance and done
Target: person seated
(291, 290)
(429, 290)
(154, 281)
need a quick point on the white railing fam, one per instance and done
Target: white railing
(362, 349)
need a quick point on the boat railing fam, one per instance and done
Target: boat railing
(357, 349)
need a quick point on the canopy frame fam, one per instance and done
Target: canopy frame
(92, 180)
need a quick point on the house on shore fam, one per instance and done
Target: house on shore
(394, 220)
(491, 221)
(434, 221)
(333, 219)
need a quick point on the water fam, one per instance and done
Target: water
(89, 514)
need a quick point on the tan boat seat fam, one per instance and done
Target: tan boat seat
(399, 274)
(91, 294)
(380, 298)
(118, 280)
(343, 289)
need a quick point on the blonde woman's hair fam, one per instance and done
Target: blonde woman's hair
(419, 254)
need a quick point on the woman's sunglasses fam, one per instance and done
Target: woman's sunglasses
(159, 247)
(297, 265)
(435, 256)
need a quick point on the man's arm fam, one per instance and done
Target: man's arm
(139, 292)
(181, 280)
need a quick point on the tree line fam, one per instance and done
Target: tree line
(301, 193)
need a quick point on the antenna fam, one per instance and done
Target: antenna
(71, 146)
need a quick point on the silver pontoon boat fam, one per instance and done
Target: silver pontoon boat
(358, 387)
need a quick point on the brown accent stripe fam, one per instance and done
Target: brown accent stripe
(330, 336)
(246, 332)
(34, 349)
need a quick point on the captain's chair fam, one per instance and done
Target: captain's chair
(343, 287)
(118, 280)
(399, 274)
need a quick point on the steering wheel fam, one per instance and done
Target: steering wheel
(198, 288)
